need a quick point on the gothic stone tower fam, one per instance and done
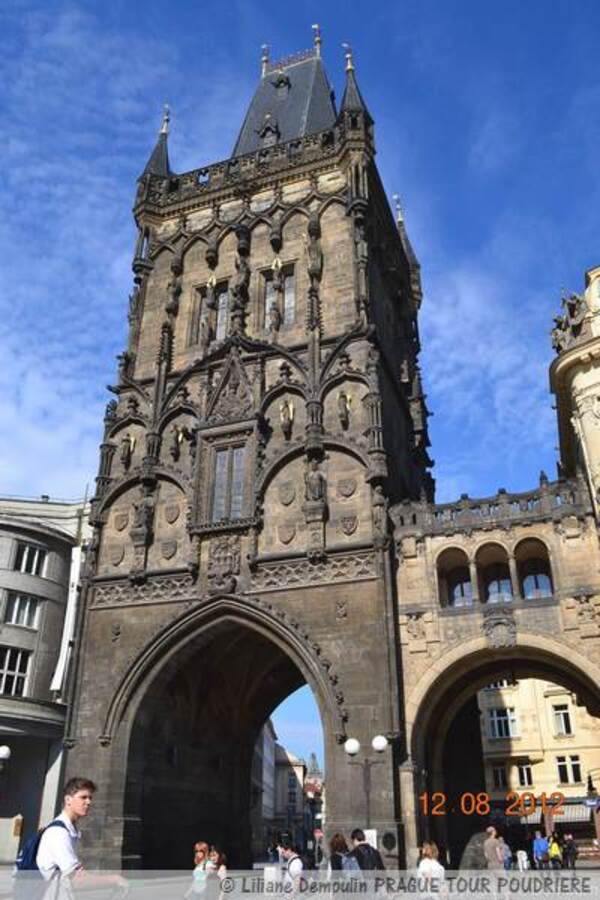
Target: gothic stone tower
(268, 409)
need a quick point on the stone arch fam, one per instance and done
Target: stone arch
(534, 567)
(452, 575)
(437, 699)
(200, 643)
(330, 202)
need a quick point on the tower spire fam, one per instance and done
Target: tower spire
(158, 163)
(264, 60)
(352, 100)
(317, 39)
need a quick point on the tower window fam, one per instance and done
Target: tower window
(30, 559)
(284, 298)
(222, 312)
(460, 592)
(228, 484)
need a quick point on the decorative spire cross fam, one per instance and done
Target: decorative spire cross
(164, 128)
(398, 205)
(317, 39)
(264, 60)
(349, 60)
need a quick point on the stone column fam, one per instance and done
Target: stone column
(474, 581)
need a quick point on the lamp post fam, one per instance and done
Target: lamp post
(5, 754)
(352, 748)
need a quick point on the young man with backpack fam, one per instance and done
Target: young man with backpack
(52, 853)
(292, 863)
(367, 857)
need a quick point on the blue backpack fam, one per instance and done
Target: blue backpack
(29, 882)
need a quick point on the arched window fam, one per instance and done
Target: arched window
(454, 579)
(493, 573)
(533, 564)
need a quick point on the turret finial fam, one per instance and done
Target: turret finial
(317, 38)
(264, 60)
(164, 128)
(349, 60)
(398, 205)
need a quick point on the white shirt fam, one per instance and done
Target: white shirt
(293, 871)
(431, 868)
(58, 849)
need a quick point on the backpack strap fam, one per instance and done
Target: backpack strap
(291, 860)
(55, 823)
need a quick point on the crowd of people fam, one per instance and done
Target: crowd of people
(544, 852)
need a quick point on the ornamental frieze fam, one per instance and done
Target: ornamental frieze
(300, 573)
(154, 590)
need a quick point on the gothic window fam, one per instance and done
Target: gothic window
(194, 332)
(284, 299)
(222, 301)
(454, 578)
(30, 559)
(228, 483)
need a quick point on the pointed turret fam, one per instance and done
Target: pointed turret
(293, 99)
(158, 164)
(352, 101)
(404, 239)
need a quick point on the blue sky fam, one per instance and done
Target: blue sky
(487, 124)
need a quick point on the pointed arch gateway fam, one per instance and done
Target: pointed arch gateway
(186, 717)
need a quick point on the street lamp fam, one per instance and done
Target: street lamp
(352, 748)
(5, 754)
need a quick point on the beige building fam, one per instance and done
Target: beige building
(41, 547)
(536, 738)
(290, 773)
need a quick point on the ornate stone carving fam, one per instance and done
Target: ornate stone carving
(341, 609)
(174, 588)
(286, 417)
(121, 520)
(415, 626)
(348, 525)
(301, 573)
(223, 563)
(346, 487)
(126, 451)
(286, 533)
(168, 549)
(344, 403)
(315, 483)
(287, 493)
(172, 512)
(116, 554)
(499, 627)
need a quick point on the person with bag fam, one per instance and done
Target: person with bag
(51, 855)
(367, 857)
(294, 867)
(555, 852)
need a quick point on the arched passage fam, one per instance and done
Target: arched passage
(448, 720)
(187, 720)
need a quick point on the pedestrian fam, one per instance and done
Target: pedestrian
(507, 859)
(367, 857)
(292, 861)
(430, 869)
(540, 851)
(555, 851)
(522, 860)
(338, 849)
(218, 862)
(492, 850)
(202, 868)
(570, 852)
(57, 855)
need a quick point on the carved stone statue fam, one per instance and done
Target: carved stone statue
(315, 482)
(315, 254)
(204, 334)
(343, 406)
(126, 450)
(274, 319)
(242, 279)
(143, 513)
(380, 512)
(286, 417)
(174, 290)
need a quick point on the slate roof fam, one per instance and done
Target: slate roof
(158, 164)
(352, 100)
(302, 104)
